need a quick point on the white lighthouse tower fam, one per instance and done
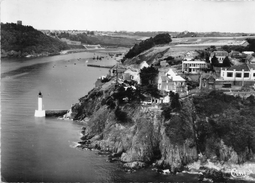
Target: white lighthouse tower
(40, 112)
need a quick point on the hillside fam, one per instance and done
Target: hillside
(19, 40)
(102, 40)
(147, 44)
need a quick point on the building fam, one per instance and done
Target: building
(220, 55)
(235, 54)
(163, 63)
(143, 64)
(191, 55)
(19, 22)
(171, 82)
(239, 75)
(131, 75)
(193, 67)
(248, 52)
(250, 59)
(117, 69)
(207, 82)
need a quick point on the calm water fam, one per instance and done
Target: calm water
(39, 149)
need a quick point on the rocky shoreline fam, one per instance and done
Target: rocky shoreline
(205, 171)
(141, 137)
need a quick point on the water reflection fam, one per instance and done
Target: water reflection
(39, 120)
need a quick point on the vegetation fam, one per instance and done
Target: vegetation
(147, 44)
(148, 78)
(226, 62)
(212, 119)
(234, 125)
(27, 40)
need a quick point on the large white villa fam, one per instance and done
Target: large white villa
(220, 55)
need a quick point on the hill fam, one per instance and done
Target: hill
(19, 40)
(147, 44)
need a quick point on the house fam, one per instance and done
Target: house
(191, 55)
(239, 75)
(193, 67)
(250, 59)
(131, 75)
(143, 64)
(171, 82)
(235, 54)
(207, 81)
(220, 55)
(163, 63)
(115, 68)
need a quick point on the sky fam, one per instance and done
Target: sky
(133, 15)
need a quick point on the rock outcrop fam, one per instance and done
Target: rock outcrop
(144, 137)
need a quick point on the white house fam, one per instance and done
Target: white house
(171, 82)
(193, 67)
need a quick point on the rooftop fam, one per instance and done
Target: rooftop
(220, 53)
(239, 67)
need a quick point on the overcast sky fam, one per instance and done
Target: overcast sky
(133, 15)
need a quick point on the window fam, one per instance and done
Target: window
(246, 75)
(238, 75)
(229, 74)
(253, 74)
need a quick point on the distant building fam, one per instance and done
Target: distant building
(193, 67)
(220, 55)
(19, 22)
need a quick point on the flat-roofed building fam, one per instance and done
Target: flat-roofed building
(239, 75)
(193, 67)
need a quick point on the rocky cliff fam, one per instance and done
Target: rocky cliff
(138, 135)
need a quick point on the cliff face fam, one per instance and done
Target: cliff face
(143, 136)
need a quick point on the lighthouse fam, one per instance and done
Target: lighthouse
(40, 112)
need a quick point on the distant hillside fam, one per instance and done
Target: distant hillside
(147, 44)
(19, 40)
(103, 40)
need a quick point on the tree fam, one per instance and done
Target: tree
(148, 75)
(226, 62)
(215, 61)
